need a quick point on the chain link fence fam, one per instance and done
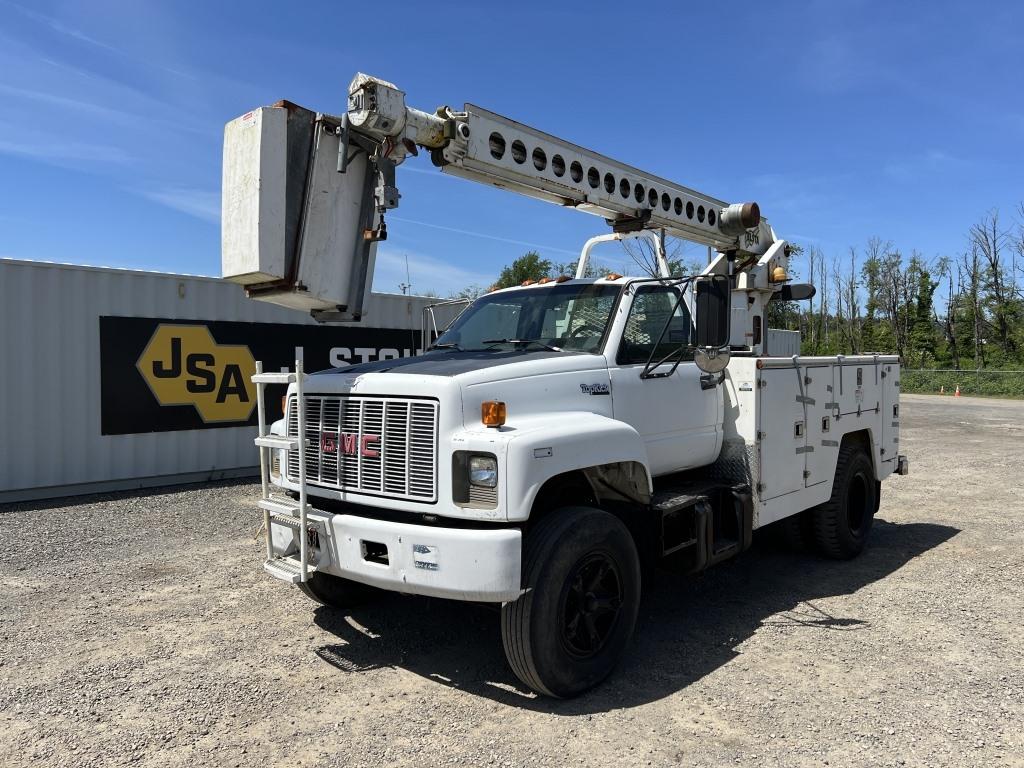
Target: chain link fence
(985, 382)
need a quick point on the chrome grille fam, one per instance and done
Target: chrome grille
(405, 464)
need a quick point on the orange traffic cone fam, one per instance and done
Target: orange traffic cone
(942, 389)
(957, 393)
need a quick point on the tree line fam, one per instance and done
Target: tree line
(964, 312)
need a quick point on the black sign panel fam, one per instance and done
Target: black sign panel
(164, 375)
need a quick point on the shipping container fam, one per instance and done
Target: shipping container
(116, 378)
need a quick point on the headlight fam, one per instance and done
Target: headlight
(483, 471)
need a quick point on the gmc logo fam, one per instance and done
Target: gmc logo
(349, 443)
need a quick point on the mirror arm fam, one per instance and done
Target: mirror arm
(711, 380)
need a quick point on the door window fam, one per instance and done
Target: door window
(654, 307)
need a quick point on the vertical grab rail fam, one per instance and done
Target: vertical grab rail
(261, 431)
(303, 534)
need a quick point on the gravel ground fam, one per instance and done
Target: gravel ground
(140, 629)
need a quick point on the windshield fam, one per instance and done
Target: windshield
(565, 317)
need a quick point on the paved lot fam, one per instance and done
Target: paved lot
(139, 629)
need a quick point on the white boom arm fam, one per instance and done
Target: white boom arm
(305, 194)
(480, 145)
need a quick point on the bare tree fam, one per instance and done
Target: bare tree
(969, 274)
(948, 322)
(848, 302)
(990, 242)
(642, 253)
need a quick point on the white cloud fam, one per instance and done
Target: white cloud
(471, 233)
(201, 203)
(426, 273)
(914, 167)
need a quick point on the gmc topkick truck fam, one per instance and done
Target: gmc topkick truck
(560, 436)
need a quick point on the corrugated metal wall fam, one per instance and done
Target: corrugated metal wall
(50, 378)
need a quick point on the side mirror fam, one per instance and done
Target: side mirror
(713, 308)
(794, 292)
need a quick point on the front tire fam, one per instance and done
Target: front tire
(336, 592)
(582, 575)
(842, 524)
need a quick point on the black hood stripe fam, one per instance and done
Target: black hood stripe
(444, 363)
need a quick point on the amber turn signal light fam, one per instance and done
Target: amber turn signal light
(492, 413)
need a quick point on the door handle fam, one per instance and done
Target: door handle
(711, 380)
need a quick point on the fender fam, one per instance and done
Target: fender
(540, 448)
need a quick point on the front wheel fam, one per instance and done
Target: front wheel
(582, 575)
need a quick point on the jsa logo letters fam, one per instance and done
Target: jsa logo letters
(183, 365)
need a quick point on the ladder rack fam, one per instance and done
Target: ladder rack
(283, 511)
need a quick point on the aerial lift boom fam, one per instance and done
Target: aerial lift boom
(342, 172)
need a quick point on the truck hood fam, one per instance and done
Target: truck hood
(530, 382)
(454, 363)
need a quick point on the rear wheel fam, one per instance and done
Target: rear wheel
(336, 592)
(582, 573)
(842, 524)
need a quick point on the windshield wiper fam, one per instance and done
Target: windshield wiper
(445, 345)
(522, 341)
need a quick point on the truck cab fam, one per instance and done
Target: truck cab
(555, 355)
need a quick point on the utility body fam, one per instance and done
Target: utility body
(558, 436)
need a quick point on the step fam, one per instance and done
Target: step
(287, 569)
(284, 377)
(280, 507)
(279, 442)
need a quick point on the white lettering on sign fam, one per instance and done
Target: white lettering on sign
(341, 357)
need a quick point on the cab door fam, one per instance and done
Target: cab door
(679, 416)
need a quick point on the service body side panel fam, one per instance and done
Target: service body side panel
(805, 406)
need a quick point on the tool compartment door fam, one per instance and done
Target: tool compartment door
(890, 415)
(858, 387)
(822, 443)
(782, 432)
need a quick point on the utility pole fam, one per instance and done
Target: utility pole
(404, 287)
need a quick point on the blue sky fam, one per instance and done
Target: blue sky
(844, 119)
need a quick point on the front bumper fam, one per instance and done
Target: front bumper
(458, 563)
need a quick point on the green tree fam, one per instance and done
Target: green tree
(529, 266)
(471, 292)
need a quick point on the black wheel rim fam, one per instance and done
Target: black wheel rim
(591, 603)
(856, 503)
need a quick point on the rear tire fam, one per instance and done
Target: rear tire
(842, 524)
(336, 592)
(582, 573)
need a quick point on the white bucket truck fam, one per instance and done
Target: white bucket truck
(559, 436)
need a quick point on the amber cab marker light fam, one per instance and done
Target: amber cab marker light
(492, 413)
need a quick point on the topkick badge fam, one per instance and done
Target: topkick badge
(183, 365)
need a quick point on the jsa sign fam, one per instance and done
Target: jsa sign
(162, 375)
(183, 365)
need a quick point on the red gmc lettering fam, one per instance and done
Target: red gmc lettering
(364, 446)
